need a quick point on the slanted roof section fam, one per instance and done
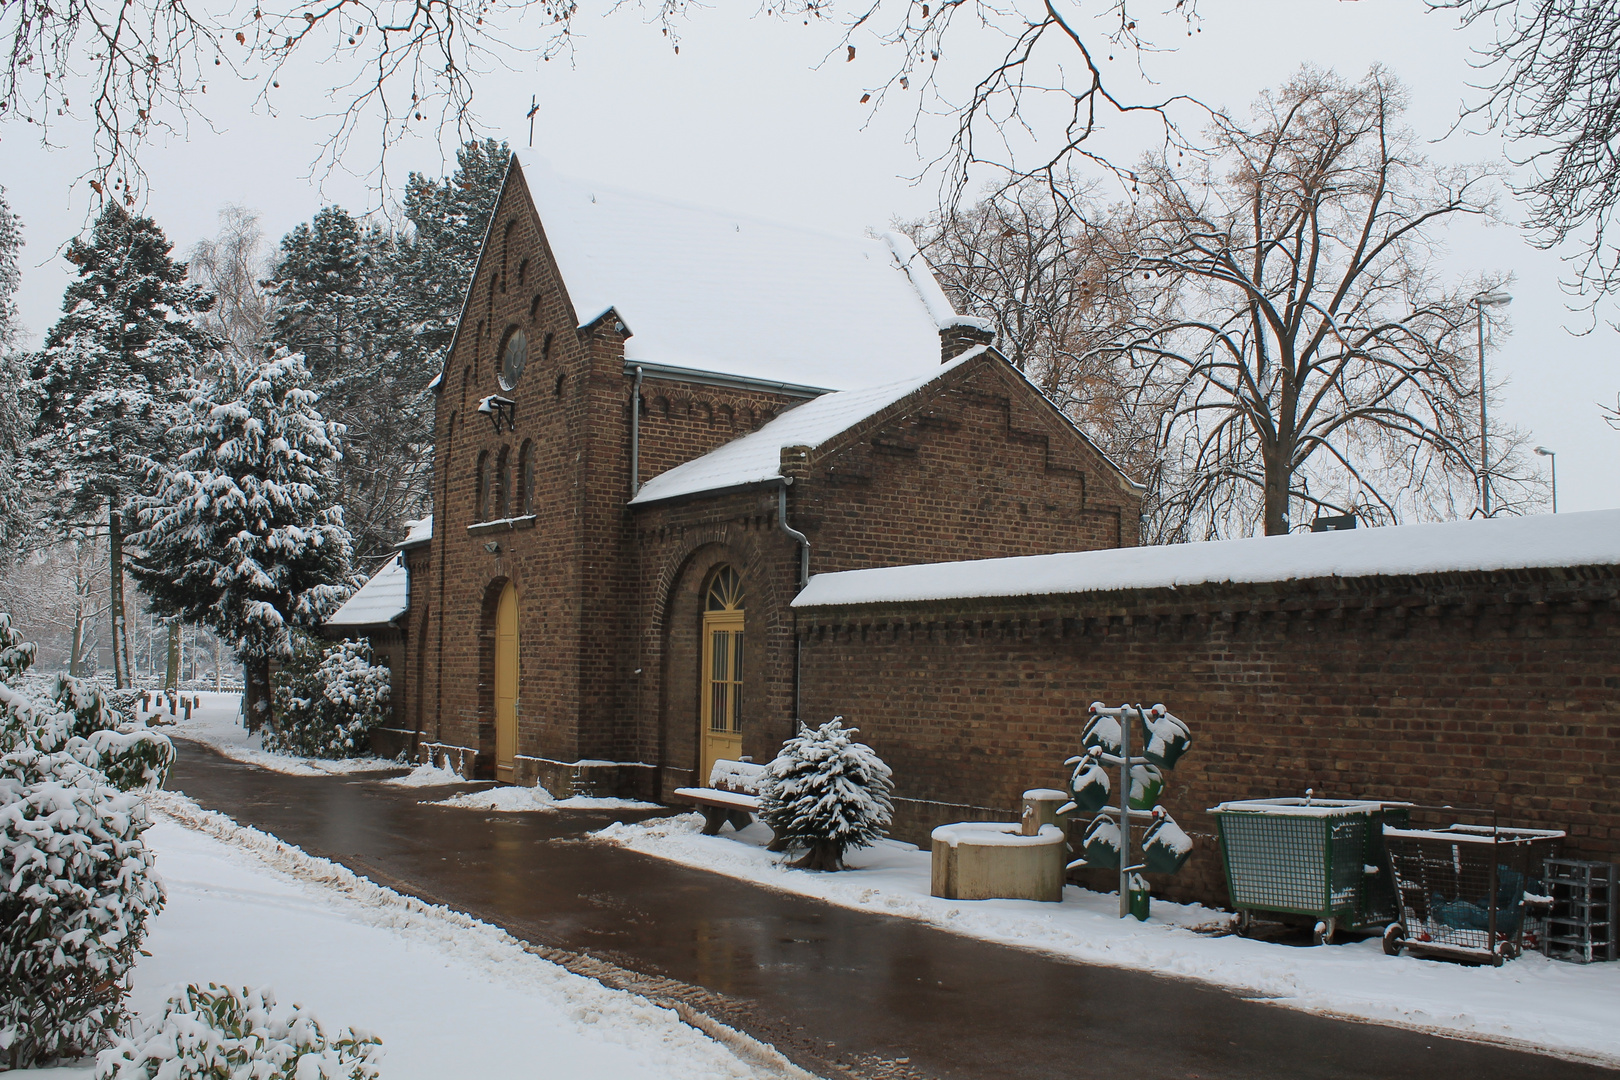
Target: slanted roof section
(757, 456)
(378, 602)
(1585, 539)
(417, 531)
(736, 295)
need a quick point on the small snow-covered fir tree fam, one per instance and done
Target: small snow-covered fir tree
(328, 698)
(244, 533)
(107, 381)
(827, 793)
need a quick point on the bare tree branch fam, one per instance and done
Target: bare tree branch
(1291, 343)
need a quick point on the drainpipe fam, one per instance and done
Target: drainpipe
(804, 579)
(635, 436)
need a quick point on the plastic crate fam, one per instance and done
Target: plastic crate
(1585, 910)
(1316, 857)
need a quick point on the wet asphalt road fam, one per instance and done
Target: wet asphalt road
(841, 992)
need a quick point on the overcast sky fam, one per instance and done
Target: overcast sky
(744, 118)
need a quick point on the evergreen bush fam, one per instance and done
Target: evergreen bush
(221, 1032)
(328, 700)
(79, 888)
(76, 882)
(827, 793)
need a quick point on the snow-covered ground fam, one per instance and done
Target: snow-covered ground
(218, 723)
(449, 995)
(1531, 1002)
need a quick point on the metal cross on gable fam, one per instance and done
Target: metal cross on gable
(534, 107)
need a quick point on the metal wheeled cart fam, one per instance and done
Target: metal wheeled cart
(1466, 892)
(1309, 857)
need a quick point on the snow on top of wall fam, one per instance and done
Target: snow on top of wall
(1585, 539)
(417, 531)
(381, 600)
(757, 456)
(726, 293)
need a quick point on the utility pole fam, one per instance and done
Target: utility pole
(1481, 302)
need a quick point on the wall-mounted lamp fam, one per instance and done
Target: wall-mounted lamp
(500, 411)
(493, 547)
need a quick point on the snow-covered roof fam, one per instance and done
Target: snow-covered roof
(379, 601)
(732, 294)
(417, 531)
(1585, 539)
(757, 456)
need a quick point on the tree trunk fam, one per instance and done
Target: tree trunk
(1277, 485)
(122, 675)
(255, 691)
(822, 855)
(171, 672)
(78, 640)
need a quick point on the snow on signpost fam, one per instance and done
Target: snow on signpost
(1139, 782)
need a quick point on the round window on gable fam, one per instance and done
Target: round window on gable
(514, 354)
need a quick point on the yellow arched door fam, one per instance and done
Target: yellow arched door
(722, 674)
(506, 683)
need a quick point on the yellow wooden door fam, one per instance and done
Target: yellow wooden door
(506, 683)
(720, 691)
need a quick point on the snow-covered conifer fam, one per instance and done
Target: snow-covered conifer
(827, 793)
(244, 533)
(107, 381)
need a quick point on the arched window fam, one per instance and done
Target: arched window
(525, 499)
(481, 492)
(503, 483)
(721, 706)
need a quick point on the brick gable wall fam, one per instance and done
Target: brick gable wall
(1501, 689)
(983, 468)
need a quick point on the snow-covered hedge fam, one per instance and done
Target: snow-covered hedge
(222, 1032)
(328, 700)
(76, 882)
(78, 888)
(827, 793)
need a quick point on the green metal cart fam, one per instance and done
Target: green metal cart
(1315, 857)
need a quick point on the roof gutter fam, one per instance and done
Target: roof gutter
(700, 377)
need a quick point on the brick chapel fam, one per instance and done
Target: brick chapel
(699, 475)
(655, 423)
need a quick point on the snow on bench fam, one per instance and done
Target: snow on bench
(732, 795)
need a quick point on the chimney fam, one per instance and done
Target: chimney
(962, 335)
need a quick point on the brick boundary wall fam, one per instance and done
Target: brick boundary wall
(1496, 689)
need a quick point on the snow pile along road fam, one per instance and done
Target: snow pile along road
(512, 800)
(1531, 1002)
(449, 995)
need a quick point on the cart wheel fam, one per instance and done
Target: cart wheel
(1506, 950)
(1324, 931)
(1394, 938)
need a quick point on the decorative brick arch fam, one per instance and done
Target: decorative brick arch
(675, 625)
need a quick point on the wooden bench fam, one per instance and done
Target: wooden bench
(732, 795)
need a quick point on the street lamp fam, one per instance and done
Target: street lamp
(1481, 302)
(1552, 462)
